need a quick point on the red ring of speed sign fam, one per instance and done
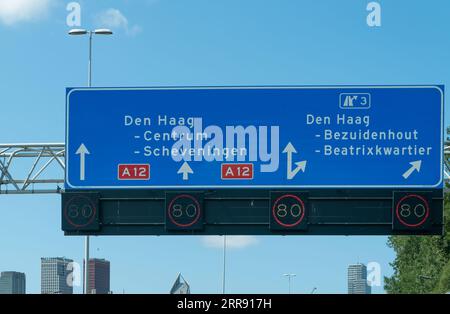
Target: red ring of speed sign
(299, 200)
(69, 220)
(197, 204)
(423, 219)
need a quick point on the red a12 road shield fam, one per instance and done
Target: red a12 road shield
(237, 171)
(133, 172)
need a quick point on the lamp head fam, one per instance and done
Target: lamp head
(77, 32)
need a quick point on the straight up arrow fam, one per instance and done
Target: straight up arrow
(82, 151)
(185, 169)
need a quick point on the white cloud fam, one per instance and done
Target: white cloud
(14, 11)
(113, 18)
(233, 242)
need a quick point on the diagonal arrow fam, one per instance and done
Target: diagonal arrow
(301, 165)
(185, 169)
(415, 165)
(82, 151)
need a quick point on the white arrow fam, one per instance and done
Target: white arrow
(301, 165)
(185, 169)
(415, 165)
(82, 151)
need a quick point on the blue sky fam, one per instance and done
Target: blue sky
(201, 42)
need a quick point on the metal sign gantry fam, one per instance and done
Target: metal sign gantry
(32, 168)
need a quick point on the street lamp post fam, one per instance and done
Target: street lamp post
(82, 32)
(289, 276)
(224, 262)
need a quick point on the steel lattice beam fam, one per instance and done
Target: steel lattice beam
(44, 162)
(38, 158)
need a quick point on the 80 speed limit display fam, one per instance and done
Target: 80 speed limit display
(411, 210)
(288, 211)
(80, 211)
(184, 211)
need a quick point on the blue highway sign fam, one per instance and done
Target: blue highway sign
(255, 137)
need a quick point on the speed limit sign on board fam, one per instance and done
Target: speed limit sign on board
(288, 211)
(184, 211)
(411, 210)
(80, 211)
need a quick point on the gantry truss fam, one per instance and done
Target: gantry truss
(39, 168)
(32, 168)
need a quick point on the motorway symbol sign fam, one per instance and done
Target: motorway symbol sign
(255, 137)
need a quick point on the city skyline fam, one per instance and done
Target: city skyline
(100, 277)
(56, 273)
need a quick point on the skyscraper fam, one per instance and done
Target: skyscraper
(12, 282)
(357, 279)
(55, 277)
(99, 276)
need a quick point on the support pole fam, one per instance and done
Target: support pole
(224, 262)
